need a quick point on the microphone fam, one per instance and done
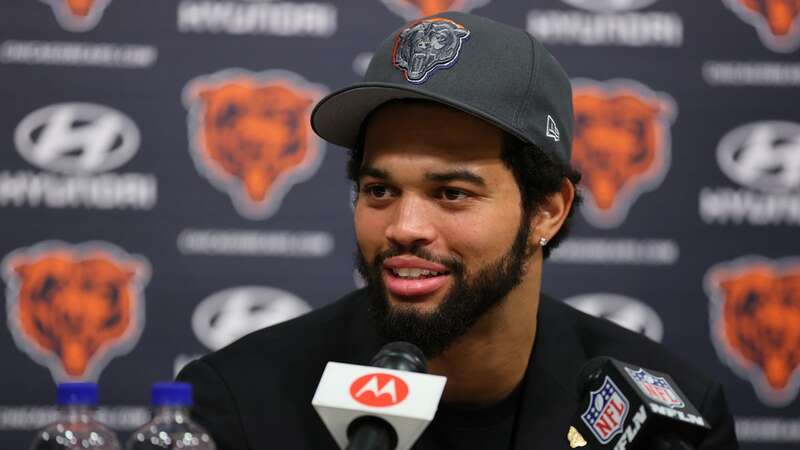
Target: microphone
(383, 406)
(370, 432)
(626, 407)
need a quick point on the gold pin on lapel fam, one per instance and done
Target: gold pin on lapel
(575, 439)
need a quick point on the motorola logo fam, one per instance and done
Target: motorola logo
(379, 390)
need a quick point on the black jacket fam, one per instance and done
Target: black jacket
(256, 393)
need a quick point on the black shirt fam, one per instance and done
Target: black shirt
(458, 428)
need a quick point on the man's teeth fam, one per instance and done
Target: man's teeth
(414, 273)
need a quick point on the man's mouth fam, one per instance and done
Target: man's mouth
(413, 277)
(414, 274)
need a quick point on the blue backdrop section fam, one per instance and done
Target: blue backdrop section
(161, 192)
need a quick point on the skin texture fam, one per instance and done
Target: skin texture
(402, 204)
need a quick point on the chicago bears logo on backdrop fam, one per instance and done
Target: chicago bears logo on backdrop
(251, 136)
(427, 46)
(414, 9)
(78, 15)
(755, 323)
(621, 145)
(74, 307)
(777, 21)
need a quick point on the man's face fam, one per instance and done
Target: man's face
(439, 224)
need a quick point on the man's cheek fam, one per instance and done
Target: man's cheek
(369, 231)
(359, 227)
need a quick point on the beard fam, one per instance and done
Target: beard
(469, 298)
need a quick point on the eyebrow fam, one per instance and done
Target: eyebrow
(440, 177)
(373, 172)
(456, 175)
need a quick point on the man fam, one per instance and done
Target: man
(460, 138)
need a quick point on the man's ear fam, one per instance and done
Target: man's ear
(552, 213)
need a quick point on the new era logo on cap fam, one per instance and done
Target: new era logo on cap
(552, 129)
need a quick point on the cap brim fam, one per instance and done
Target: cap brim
(338, 117)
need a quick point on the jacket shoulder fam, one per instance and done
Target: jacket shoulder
(601, 337)
(239, 389)
(312, 336)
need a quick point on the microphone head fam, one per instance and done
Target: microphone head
(589, 377)
(401, 355)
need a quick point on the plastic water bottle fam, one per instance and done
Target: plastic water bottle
(171, 426)
(76, 427)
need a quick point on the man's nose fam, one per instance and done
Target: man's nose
(411, 224)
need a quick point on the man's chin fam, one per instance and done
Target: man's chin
(417, 306)
(419, 321)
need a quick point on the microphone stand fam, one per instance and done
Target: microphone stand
(373, 434)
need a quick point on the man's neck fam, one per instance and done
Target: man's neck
(486, 364)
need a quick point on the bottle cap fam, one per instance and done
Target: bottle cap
(172, 394)
(77, 394)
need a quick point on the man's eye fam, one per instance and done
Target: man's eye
(378, 191)
(453, 194)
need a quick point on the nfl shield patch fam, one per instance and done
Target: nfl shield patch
(607, 411)
(656, 388)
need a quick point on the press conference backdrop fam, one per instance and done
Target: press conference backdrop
(161, 192)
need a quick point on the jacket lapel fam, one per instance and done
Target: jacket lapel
(550, 400)
(363, 340)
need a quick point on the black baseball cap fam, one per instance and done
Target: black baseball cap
(496, 72)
